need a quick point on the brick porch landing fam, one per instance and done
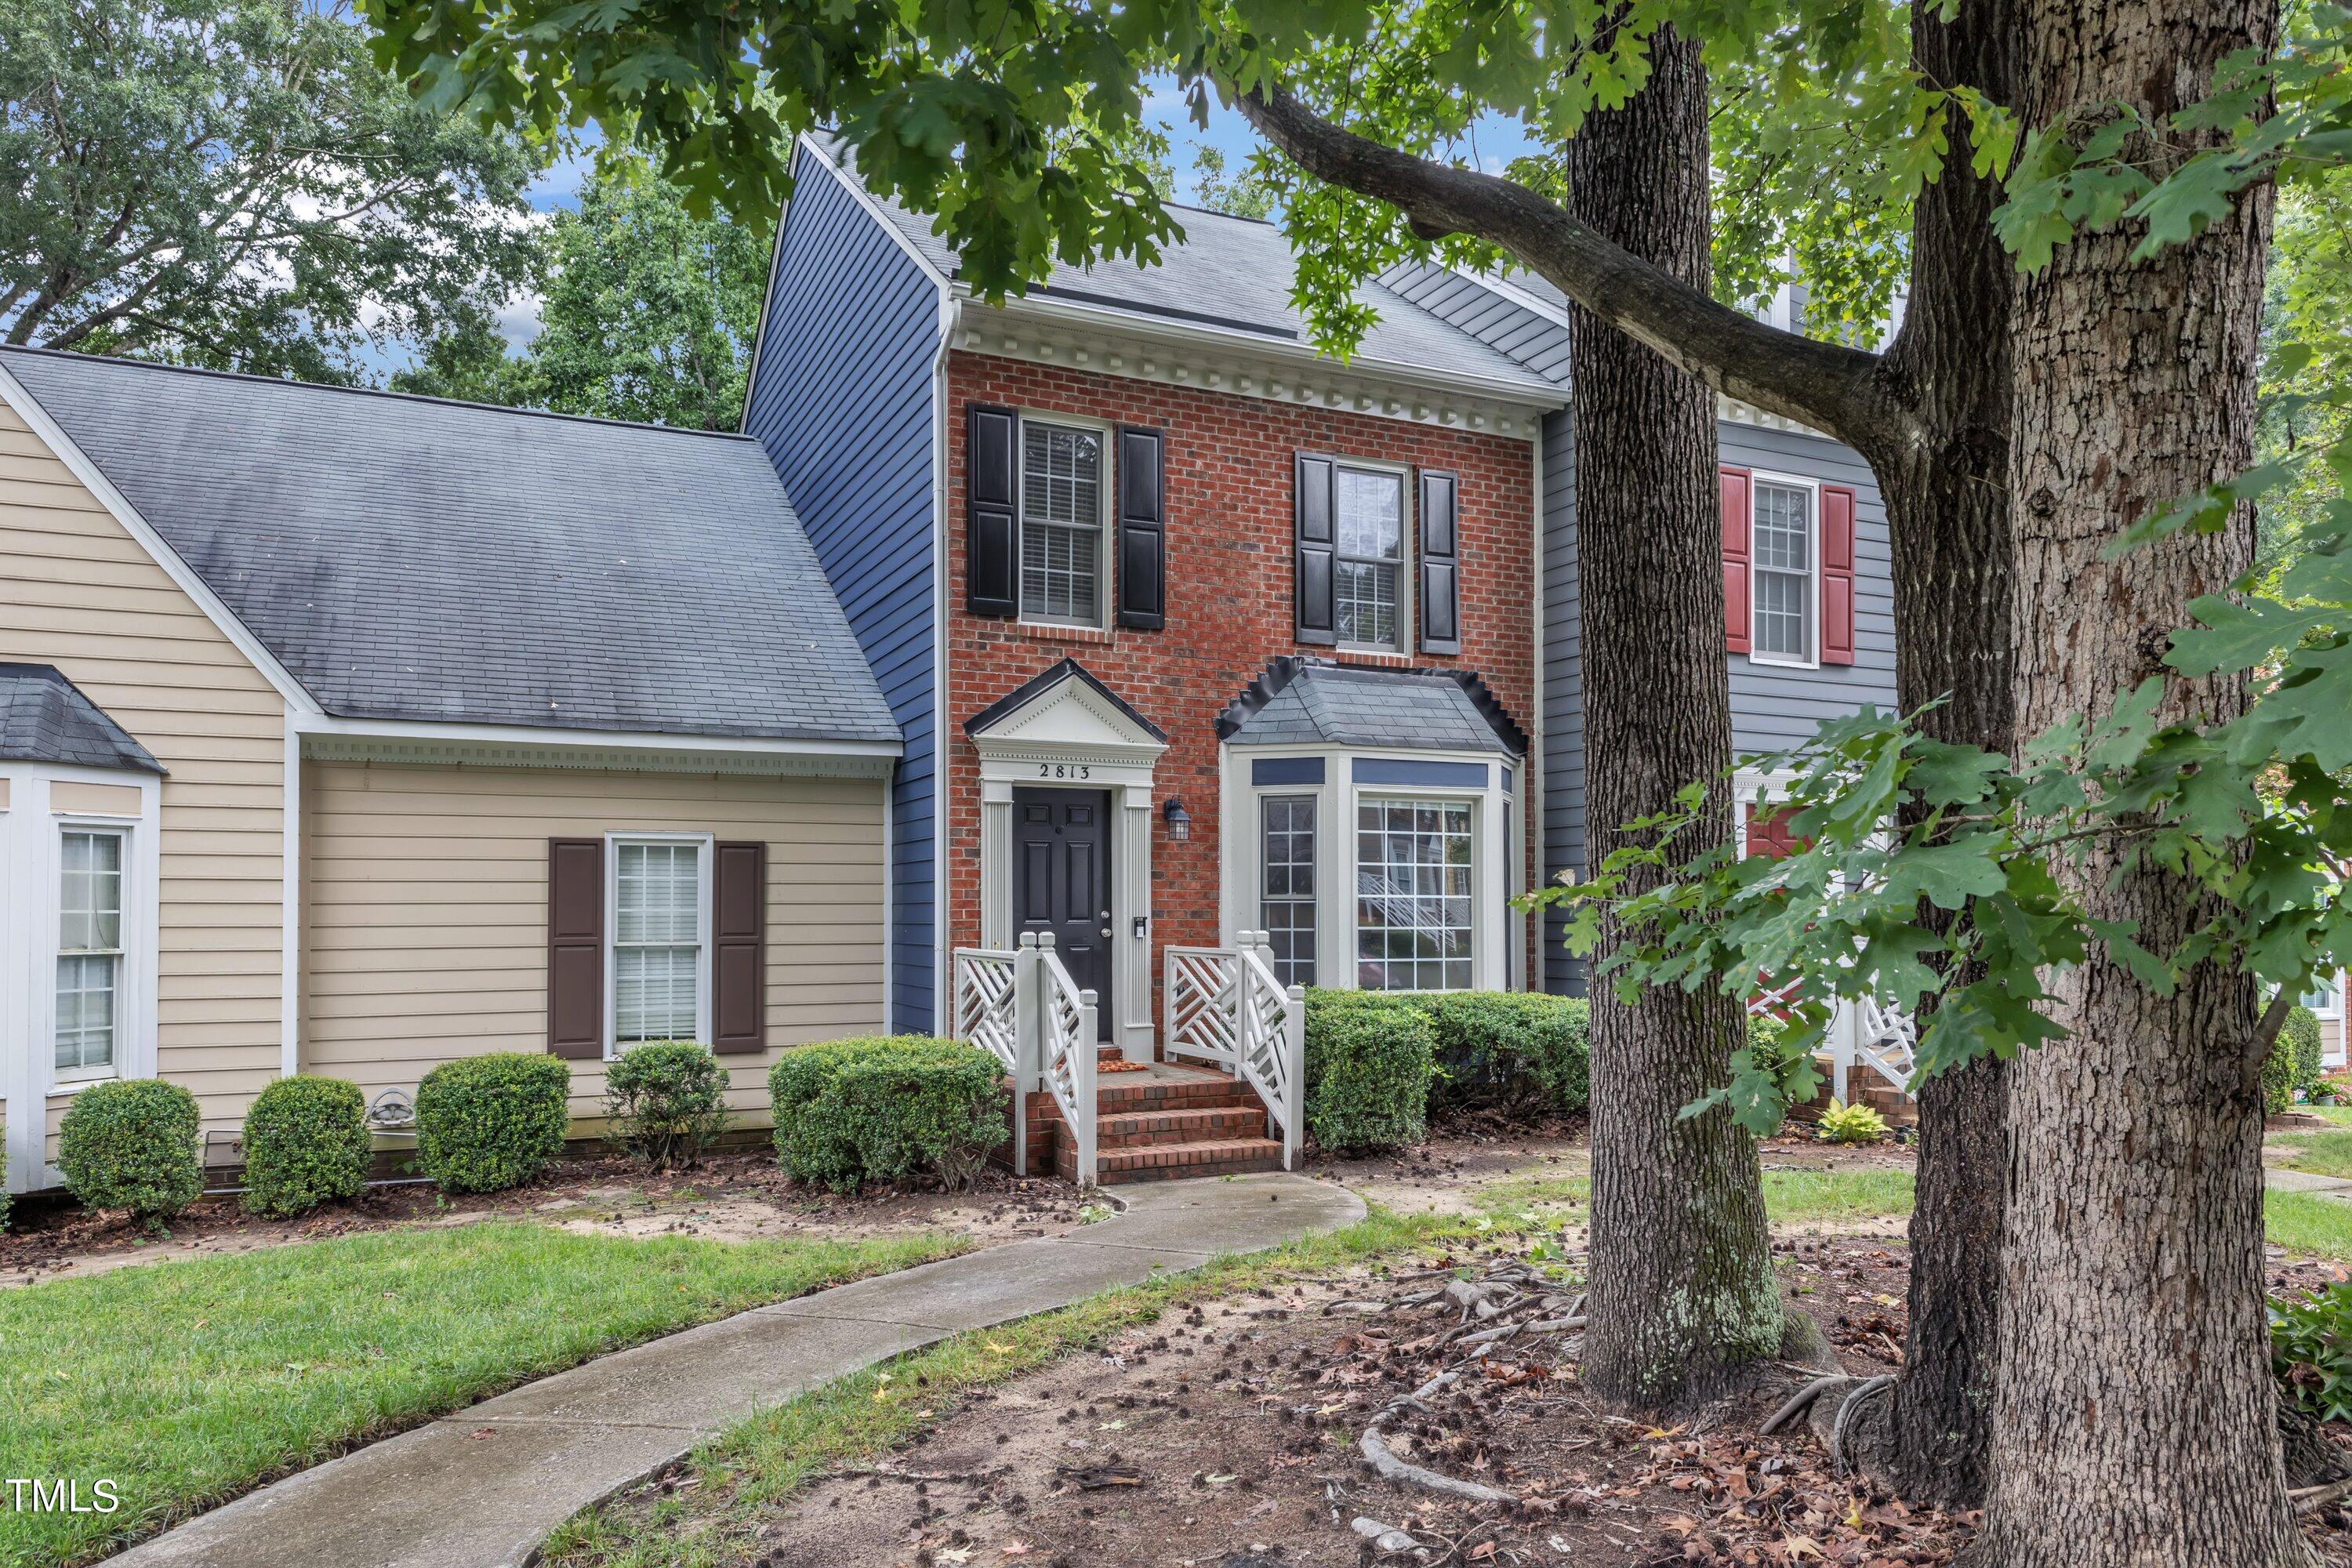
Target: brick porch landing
(1168, 1120)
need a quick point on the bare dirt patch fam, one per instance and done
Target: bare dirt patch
(732, 1196)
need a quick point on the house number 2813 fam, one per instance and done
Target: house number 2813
(1066, 770)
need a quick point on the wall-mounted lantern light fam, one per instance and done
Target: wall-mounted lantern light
(1180, 822)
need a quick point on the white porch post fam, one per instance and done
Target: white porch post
(1131, 907)
(995, 863)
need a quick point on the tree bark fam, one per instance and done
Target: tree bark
(1948, 512)
(2134, 1417)
(1680, 1272)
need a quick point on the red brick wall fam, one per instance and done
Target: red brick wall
(1228, 599)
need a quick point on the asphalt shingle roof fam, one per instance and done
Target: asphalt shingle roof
(416, 559)
(1234, 272)
(1313, 702)
(45, 718)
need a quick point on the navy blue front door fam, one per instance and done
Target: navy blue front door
(1061, 881)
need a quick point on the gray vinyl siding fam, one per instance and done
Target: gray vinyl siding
(842, 400)
(1563, 692)
(1774, 707)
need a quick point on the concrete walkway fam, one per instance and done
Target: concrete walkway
(2280, 1180)
(482, 1488)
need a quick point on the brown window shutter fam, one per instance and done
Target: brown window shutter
(738, 960)
(1737, 555)
(576, 947)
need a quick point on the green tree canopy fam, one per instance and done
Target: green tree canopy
(236, 184)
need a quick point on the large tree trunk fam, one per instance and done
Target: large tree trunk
(1681, 1278)
(2134, 1417)
(1949, 519)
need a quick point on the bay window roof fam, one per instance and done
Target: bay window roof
(1309, 701)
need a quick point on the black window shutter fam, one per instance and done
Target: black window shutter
(576, 947)
(992, 544)
(738, 937)
(1142, 528)
(1316, 479)
(1441, 562)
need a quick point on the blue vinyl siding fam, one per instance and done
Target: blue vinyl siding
(842, 400)
(1563, 693)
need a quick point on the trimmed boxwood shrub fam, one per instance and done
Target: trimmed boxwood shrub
(2293, 1061)
(665, 1101)
(131, 1143)
(1372, 1057)
(1512, 1048)
(880, 1107)
(306, 1142)
(485, 1123)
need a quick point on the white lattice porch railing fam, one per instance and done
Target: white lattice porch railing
(987, 1015)
(1865, 1033)
(1225, 1005)
(1065, 1046)
(1200, 1004)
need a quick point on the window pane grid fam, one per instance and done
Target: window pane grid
(1784, 572)
(1371, 529)
(1413, 895)
(90, 949)
(1061, 523)
(657, 942)
(1286, 909)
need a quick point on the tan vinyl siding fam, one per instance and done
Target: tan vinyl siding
(424, 908)
(79, 592)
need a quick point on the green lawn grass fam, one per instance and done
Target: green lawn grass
(2321, 1153)
(1789, 1195)
(2308, 1225)
(189, 1381)
(867, 1414)
(2339, 1114)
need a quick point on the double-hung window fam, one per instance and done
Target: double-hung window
(1062, 495)
(1786, 566)
(1414, 895)
(89, 952)
(660, 940)
(1286, 905)
(1368, 566)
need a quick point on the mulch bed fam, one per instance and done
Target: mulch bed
(1227, 1437)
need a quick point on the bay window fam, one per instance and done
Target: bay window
(1287, 878)
(1415, 898)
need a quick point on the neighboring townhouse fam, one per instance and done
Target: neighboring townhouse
(349, 733)
(1190, 630)
(1808, 615)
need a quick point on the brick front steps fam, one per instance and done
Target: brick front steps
(1168, 1123)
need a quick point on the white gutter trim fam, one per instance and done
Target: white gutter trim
(1498, 284)
(1532, 393)
(14, 394)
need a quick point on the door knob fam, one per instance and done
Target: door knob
(1106, 931)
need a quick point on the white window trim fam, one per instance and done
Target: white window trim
(1756, 574)
(66, 1080)
(704, 842)
(1482, 893)
(1408, 544)
(1105, 586)
(2337, 1011)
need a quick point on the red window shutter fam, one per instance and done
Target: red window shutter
(739, 958)
(1837, 574)
(576, 947)
(1737, 502)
